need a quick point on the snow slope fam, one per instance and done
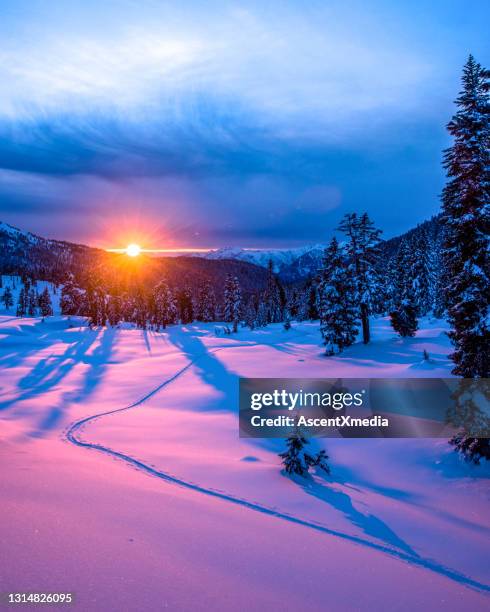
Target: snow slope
(15, 284)
(200, 518)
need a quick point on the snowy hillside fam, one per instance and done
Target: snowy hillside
(184, 487)
(14, 283)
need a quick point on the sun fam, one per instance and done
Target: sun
(133, 250)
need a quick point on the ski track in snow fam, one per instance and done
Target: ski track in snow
(76, 428)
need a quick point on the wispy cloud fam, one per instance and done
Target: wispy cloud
(251, 123)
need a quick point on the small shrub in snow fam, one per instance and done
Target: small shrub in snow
(297, 460)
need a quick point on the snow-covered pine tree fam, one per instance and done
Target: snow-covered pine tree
(71, 297)
(311, 300)
(261, 320)
(45, 305)
(32, 300)
(165, 308)
(397, 276)
(439, 279)
(466, 217)
(142, 315)
(404, 318)
(363, 250)
(337, 305)
(466, 248)
(114, 310)
(420, 272)
(250, 311)
(297, 460)
(403, 313)
(274, 296)
(185, 306)
(22, 303)
(206, 303)
(7, 298)
(287, 319)
(232, 301)
(293, 303)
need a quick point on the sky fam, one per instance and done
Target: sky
(211, 124)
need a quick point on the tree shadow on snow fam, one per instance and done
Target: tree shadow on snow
(207, 366)
(50, 371)
(98, 362)
(369, 524)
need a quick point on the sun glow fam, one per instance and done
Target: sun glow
(133, 250)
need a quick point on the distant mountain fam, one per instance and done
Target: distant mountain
(290, 264)
(293, 265)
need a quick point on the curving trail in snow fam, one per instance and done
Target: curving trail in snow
(73, 436)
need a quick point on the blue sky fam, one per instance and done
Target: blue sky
(223, 123)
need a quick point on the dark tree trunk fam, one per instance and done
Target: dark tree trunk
(366, 334)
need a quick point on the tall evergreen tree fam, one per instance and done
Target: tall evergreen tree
(310, 303)
(71, 297)
(185, 306)
(363, 250)
(466, 249)
(232, 299)
(403, 313)
(22, 303)
(466, 216)
(420, 272)
(7, 298)
(337, 301)
(206, 303)
(45, 305)
(32, 300)
(165, 307)
(114, 310)
(274, 296)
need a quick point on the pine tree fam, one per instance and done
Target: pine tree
(403, 313)
(206, 303)
(250, 313)
(22, 303)
(336, 301)
(114, 310)
(363, 251)
(466, 249)
(7, 298)
(232, 299)
(165, 308)
(287, 319)
(71, 297)
(310, 301)
(404, 318)
(32, 300)
(297, 460)
(185, 306)
(44, 303)
(274, 296)
(141, 314)
(420, 272)
(466, 216)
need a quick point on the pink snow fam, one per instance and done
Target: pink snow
(201, 518)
